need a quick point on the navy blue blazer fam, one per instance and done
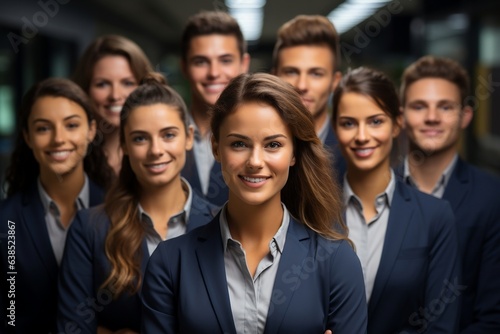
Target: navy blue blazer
(36, 266)
(415, 289)
(217, 189)
(85, 266)
(336, 158)
(474, 196)
(319, 285)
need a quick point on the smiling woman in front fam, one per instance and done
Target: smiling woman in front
(276, 259)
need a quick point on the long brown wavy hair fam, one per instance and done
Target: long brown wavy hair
(126, 233)
(24, 169)
(311, 193)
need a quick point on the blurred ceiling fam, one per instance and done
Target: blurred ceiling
(164, 20)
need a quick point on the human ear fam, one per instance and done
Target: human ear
(215, 148)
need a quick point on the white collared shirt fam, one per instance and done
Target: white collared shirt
(440, 187)
(368, 237)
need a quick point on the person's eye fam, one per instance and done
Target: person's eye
(42, 128)
(227, 61)
(138, 139)
(169, 135)
(238, 144)
(129, 83)
(317, 74)
(274, 145)
(377, 121)
(73, 125)
(289, 72)
(101, 84)
(447, 107)
(346, 124)
(199, 62)
(417, 107)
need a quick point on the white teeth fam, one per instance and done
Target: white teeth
(253, 180)
(60, 154)
(115, 109)
(365, 150)
(158, 166)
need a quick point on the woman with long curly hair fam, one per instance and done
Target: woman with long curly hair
(109, 246)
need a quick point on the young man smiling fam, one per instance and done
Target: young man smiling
(306, 55)
(433, 91)
(213, 53)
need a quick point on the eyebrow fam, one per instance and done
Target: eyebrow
(162, 130)
(279, 135)
(48, 121)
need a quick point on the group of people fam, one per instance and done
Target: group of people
(256, 210)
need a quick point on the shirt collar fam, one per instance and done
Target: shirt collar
(180, 216)
(388, 193)
(445, 176)
(279, 238)
(82, 200)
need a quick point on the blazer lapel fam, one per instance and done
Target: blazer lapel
(34, 220)
(211, 261)
(190, 171)
(399, 219)
(217, 189)
(96, 194)
(455, 192)
(293, 255)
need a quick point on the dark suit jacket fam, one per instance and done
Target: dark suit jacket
(36, 266)
(337, 160)
(217, 188)
(82, 304)
(415, 285)
(474, 196)
(319, 285)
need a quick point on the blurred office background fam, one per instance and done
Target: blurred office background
(44, 38)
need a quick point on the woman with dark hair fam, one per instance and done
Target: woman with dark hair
(55, 171)
(109, 70)
(277, 258)
(405, 240)
(108, 246)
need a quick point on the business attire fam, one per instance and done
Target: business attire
(318, 285)
(329, 140)
(217, 192)
(202, 171)
(474, 196)
(36, 264)
(409, 255)
(83, 303)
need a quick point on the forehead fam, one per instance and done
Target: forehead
(358, 105)
(306, 56)
(55, 108)
(255, 119)
(155, 116)
(213, 45)
(432, 89)
(112, 65)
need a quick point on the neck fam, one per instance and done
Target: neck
(164, 201)
(319, 120)
(201, 117)
(368, 184)
(63, 189)
(254, 223)
(425, 169)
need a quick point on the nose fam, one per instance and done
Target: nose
(59, 135)
(432, 115)
(116, 93)
(214, 70)
(361, 134)
(302, 83)
(255, 160)
(155, 148)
